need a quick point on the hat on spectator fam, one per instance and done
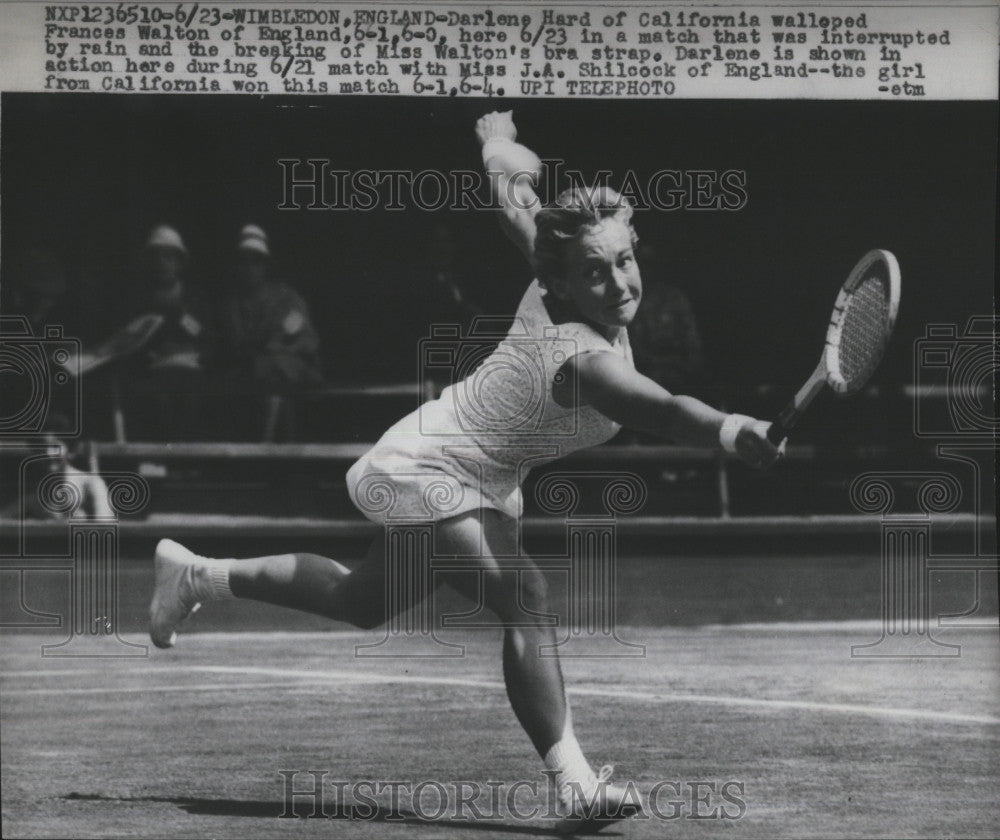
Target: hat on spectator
(253, 238)
(164, 236)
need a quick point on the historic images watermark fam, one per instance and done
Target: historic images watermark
(954, 373)
(315, 183)
(311, 794)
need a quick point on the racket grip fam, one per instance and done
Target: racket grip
(778, 432)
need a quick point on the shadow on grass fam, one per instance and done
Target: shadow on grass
(360, 813)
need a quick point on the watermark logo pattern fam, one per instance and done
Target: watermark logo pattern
(953, 403)
(42, 410)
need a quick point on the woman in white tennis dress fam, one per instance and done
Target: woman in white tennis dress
(561, 380)
(472, 447)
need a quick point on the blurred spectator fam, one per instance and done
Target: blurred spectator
(35, 289)
(441, 286)
(665, 340)
(270, 343)
(74, 462)
(181, 343)
(38, 291)
(435, 291)
(165, 377)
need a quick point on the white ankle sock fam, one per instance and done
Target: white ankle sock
(566, 758)
(211, 579)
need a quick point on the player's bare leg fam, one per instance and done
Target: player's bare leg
(317, 584)
(323, 586)
(534, 681)
(301, 581)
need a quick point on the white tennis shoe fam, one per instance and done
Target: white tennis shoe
(589, 811)
(174, 597)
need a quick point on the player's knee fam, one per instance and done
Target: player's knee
(519, 593)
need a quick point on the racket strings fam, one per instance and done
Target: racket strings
(863, 330)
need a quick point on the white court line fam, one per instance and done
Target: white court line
(320, 679)
(619, 694)
(68, 672)
(859, 625)
(150, 689)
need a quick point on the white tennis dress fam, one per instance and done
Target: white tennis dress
(473, 446)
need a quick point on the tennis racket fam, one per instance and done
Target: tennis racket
(860, 327)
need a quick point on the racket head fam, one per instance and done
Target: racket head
(864, 316)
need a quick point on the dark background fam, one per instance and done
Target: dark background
(87, 176)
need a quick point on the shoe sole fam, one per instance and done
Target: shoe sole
(569, 826)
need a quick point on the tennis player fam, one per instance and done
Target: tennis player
(586, 291)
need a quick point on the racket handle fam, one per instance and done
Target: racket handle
(778, 432)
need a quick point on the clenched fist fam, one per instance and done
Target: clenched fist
(753, 447)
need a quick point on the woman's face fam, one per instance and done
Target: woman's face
(603, 279)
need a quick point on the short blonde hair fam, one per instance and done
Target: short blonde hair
(576, 210)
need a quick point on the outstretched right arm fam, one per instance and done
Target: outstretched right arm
(614, 387)
(512, 168)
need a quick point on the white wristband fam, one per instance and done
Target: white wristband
(495, 146)
(730, 429)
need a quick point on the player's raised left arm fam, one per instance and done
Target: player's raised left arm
(512, 169)
(618, 391)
